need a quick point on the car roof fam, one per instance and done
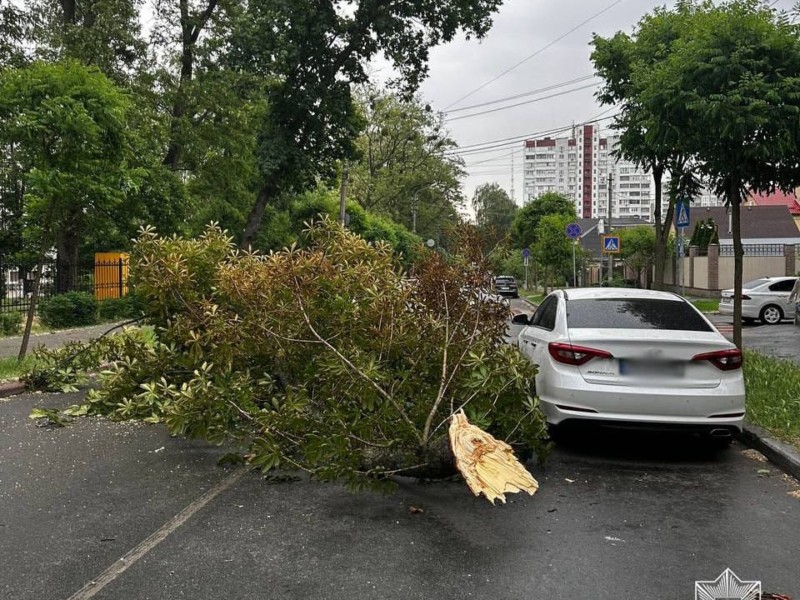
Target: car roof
(594, 293)
(776, 278)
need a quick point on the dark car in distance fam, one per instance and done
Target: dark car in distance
(506, 285)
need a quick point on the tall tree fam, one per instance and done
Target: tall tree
(494, 213)
(552, 251)
(402, 169)
(731, 91)
(312, 53)
(100, 33)
(525, 226)
(185, 21)
(14, 31)
(68, 125)
(646, 139)
(637, 251)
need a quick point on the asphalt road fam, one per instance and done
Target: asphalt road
(9, 346)
(145, 516)
(782, 340)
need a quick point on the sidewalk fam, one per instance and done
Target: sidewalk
(9, 346)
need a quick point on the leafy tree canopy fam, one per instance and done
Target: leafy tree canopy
(526, 222)
(494, 213)
(67, 124)
(312, 53)
(402, 170)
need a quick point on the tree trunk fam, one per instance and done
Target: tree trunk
(191, 27)
(68, 241)
(660, 255)
(175, 149)
(45, 243)
(738, 254)
(256, 215)
(68, 7)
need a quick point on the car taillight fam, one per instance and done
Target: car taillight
(724, 360)
(570, 354)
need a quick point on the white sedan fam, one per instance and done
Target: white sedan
(630, 357)
(766, 299)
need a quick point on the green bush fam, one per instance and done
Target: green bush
(69, 310)
(10, 323)
(117, 309)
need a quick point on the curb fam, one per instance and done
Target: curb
(529, 303)
(11, 388)
(780, 453)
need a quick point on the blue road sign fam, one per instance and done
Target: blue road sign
(611, 244)
(682, 212)
(526, 253)
(573, 231)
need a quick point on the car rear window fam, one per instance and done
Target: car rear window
(634, 313)
(504, 279)
(754, 284)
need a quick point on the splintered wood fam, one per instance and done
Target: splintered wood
(488, 465)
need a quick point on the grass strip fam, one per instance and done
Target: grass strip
(706, 305)
(532, 298)
(773, 395)
(10, 368)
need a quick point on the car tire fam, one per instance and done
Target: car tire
(771, 315)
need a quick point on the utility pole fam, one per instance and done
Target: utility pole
(343, 193)
(513, 152)
(610, 256)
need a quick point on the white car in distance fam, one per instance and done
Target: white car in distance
(766, 299)
(633, 358)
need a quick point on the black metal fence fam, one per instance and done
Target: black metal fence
(104, 279)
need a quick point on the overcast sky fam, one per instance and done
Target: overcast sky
(521, 28)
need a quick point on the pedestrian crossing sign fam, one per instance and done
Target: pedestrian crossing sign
(682, 213)
(611, 244)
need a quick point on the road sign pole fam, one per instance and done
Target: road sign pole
(574, 268)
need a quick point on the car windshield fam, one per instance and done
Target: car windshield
(504, 280)
(634, 313)
(754, 284)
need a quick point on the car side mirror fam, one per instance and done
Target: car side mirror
(521, 319)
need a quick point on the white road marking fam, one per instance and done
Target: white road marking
(127, 561)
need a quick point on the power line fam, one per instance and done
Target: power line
(499, 144)
(539, 51)
(502, 156)
(493, 110)
(524, 94)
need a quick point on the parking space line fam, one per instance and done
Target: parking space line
(127, 561)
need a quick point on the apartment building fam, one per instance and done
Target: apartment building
(578, 166)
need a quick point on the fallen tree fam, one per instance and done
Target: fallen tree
(326, 358)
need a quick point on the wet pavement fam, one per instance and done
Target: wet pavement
(9, 346)
(781, 341)
(617, 516)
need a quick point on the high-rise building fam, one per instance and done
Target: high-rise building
(578, 166)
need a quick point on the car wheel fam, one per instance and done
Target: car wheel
(771, 315)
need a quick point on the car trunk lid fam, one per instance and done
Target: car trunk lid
(654, 357)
